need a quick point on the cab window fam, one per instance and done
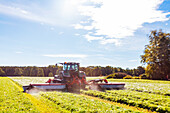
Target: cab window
(70, 67)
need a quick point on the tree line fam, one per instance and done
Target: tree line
(51, 70)
(31, 71)
(104, 71)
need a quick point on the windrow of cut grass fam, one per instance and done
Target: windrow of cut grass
(154, 88)
(147, 86)
(153, 102)
(75, 103)
(139, 80)
(12, 100)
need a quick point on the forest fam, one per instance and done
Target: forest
(52, 70)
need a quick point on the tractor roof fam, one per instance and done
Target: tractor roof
(70, 63)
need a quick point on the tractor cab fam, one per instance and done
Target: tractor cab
(70, 70)
(71, 66)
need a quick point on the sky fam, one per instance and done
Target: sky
(92, 32)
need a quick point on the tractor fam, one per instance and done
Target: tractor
(71, 79)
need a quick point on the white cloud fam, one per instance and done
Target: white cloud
(55, 13)
(90, 38)
(116, 19)
(76, 34)
(21, 13)
(109, 41)
(66, 55)
(79, 26)
(112, 19)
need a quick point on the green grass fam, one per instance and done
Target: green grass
(79, 104)
(154, 102)
(12, 100)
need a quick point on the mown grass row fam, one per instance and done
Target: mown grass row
(139, 80)
(12, 100)
(80, 104)
(154, 88)
(147, 86)
(153, 102)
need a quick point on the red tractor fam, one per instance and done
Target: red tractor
(71, 79)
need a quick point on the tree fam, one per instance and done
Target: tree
(119, 69)
(128, 71)
(2, 72)
(9, 70)
(115, 70)
(26, 71)
(109, 70)
(156, 55)
(89, 71)
(50, 74)
(140, 70)
(40, 72)
(96, 71)
(135, 72)
(18, 71)
(34, 71)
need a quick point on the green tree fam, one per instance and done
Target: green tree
(26, 71)
(89, 71)
(50, 74)
(115, 70)
(2, 72)
(156, 55)
(119, 69)
(59, 68)
(109, 70)
(40, 72)
(96, 71)
(34, 71)
(18, 71)
(135, 72)
(140, 70)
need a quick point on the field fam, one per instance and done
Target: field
(138, 96)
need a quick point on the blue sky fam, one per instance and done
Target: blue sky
(92, 32)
